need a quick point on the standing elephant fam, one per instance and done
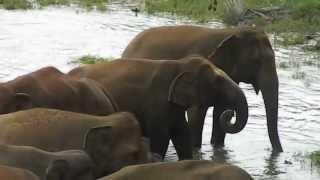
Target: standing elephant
(63, 165)
(11, 173)
(186, 170)
(112, 141)
(158, 93)
(245, 54)
(50, 88)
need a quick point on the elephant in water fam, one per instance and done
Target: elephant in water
(158, 93)
(11, 173)
(50, 88)
(64, 165)
(112, 141)
(181, 170)
(245, 54)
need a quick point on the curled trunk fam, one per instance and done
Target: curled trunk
(241, 109)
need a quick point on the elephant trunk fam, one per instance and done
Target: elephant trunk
(269, 89)
(241, 109)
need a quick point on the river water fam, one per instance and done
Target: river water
(55, 36)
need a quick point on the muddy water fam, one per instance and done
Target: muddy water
(55, 36)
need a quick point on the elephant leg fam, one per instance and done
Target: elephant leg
(196, 117)
(181, 139)
(159, 140)
(217, 136)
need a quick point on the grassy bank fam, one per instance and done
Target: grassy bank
(89, 59)
(26, 4)
(295, 16)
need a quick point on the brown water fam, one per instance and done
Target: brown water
(55, 36)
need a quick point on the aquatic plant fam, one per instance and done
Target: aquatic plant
(315, 157)
(90, 59)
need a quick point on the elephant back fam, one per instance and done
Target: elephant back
(51, 129)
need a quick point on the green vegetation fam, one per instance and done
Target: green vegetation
(303, 15)
(196, 9)
(89, 59)
(25, 4)
(15, 4)
(44, 3)
(89, 4)
(288, 39)
(298, 16)
(315, 157)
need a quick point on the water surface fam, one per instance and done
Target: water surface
(55, 36)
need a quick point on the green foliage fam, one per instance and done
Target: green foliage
(89, 4)
(263, 3)
(315, 157)
(15, 4)
(309, 10)
(44, 3)
(89, 59)
(199, 10)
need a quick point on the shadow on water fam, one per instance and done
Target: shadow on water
(56, 36)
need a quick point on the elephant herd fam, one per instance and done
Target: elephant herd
(114, 120)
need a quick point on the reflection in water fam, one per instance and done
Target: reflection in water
(37, 38)
(271, 168)
(220, 155)
(216, 154)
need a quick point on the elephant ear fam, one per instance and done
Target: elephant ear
(224, 55)
(22, 101)
(182, 89)
(98, 142)
(57, 170)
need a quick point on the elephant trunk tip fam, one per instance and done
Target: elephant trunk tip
(226, 124)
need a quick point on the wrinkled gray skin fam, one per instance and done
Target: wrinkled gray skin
(49, 88)
(181, 170)
(112, 141)
(12, 173)
(159, 92)
(245, 54)
(64, 165)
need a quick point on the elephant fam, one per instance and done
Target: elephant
(158, 93)
(244, 53)
(50, 88)
(112, 142)
(63, 165)
(11, 173)
(186, 170)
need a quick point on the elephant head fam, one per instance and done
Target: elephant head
(61, 170)
(111, 150)
(11, 101)
(246, 56)
(203, 84)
